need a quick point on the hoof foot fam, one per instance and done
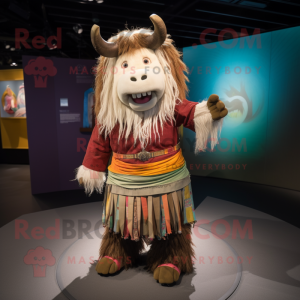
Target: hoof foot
(108, 267)
(166, 275)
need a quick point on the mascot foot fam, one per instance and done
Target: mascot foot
(108, 266)
(166, 274)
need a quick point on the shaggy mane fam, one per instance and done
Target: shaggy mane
(109, 110)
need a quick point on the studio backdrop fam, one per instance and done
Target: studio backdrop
(258, 79)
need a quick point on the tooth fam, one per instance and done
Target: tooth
(149, 93)
(139, 95)
(144, 94)
(133, 96)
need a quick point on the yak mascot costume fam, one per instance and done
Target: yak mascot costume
(140, 92)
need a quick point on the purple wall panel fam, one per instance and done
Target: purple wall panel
(56, 146)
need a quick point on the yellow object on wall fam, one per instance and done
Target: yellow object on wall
(14, 133)
(13, 130)
(12, 74)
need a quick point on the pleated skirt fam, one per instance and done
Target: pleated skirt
(149, 217)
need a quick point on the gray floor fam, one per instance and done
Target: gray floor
(269, 258)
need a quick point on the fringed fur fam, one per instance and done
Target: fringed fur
(206, 127)
(177, 250)
(91, 180)
(124, 250)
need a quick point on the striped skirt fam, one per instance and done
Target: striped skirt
(149, 217)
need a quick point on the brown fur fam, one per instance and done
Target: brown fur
(126, 251)
(127, 44)
(177, 249)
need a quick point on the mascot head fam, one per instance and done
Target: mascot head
(140, 77)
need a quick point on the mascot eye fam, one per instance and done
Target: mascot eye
(125, 64)
(146, 60)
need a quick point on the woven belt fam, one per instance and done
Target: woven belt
(145, 155)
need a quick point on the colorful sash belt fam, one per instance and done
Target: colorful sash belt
(167, 165)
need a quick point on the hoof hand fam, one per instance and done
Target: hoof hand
(216, 107)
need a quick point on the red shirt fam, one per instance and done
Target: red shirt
(99, 149)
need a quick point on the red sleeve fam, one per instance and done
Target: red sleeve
(98, 152)
(184, 114)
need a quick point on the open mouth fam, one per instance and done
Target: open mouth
(141, 97)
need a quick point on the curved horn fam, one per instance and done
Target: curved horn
(159, 35)
(104, 48)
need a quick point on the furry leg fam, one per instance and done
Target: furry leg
(124, 250)
(177, 250)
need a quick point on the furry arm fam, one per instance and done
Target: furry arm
(91, 180)
(91, 174)
(206, 127)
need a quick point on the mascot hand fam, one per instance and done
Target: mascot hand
(217, 107)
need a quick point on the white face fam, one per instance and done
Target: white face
(140, 79)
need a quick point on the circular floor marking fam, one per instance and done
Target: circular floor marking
(217, 273)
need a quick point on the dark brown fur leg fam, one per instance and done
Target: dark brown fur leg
(126, 251)
(177, 250)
